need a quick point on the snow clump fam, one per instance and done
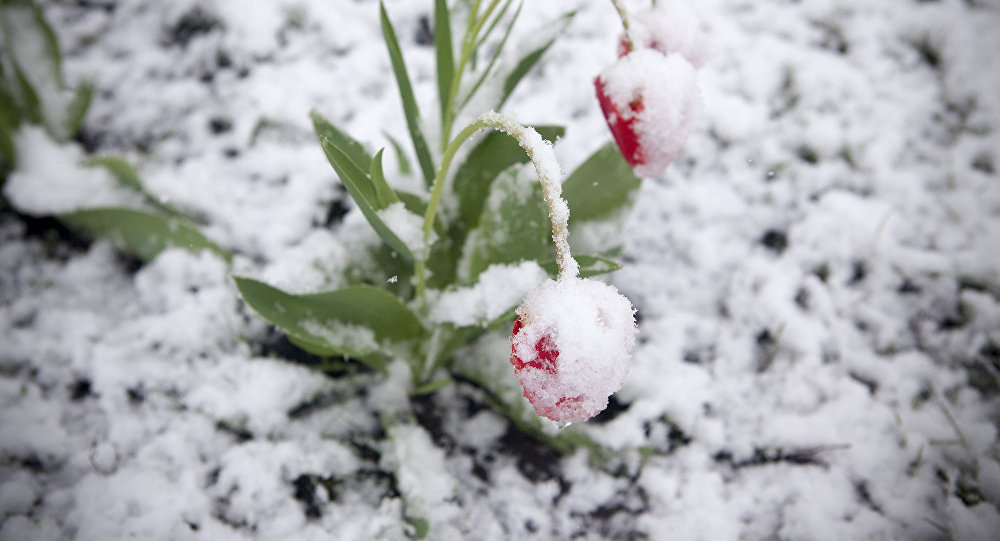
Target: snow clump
(668, 27)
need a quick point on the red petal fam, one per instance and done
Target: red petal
(545, 353)
(622, 129)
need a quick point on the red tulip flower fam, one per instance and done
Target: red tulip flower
(570, 347)
(650, 102)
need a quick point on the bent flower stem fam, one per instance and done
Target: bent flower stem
(542, 157)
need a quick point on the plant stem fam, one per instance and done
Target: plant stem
(468, 48)
(626, 23)
(437, 190)
(542, 157)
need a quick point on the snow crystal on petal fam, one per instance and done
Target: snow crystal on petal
(592, 327)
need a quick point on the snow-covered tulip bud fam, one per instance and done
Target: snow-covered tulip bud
(668, 27)
(650, 102)
(571, 347)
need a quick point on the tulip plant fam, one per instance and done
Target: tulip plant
(451, 277)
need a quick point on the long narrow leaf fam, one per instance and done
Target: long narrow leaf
(360, 188)
(350, 146)
(404, 162)
(37, 64)
(520, 70)
(77, 108)
(129, 177)
(496, 20)
(527, 62)
(384, 195)
(10, 112)
(410, 109)
(140, 233)
(353, 321)
(445, 54)
(496, 53)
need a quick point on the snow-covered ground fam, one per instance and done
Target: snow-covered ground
(817, 279)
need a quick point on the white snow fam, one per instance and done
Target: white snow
(670, 26)
(52, 180)
(497, 289)
(840, 192)
(407, 226)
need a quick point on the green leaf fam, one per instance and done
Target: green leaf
(421, 526)
(445, 54)
(417, 205)
(10, 120)
(361, 188)
(347, 144)
(77, 108)
(494, 153)
(432, 387)
(8, 154)
(410, 109)
(497, 50)
(413, 202)
(590, 265)
(37, 64)
(404, 162)
(140, 233)
(384, 195)
(10, 111)
(528, 61)
(123, 171)
(520, 70)
(514, 225)
(601, 187)
(356, 321)
(31, 104)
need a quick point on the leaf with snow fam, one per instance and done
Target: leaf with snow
(354, 321)
(139, 233)
(498, 290)
(370, 196)
(494, 153)
(513, 226)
